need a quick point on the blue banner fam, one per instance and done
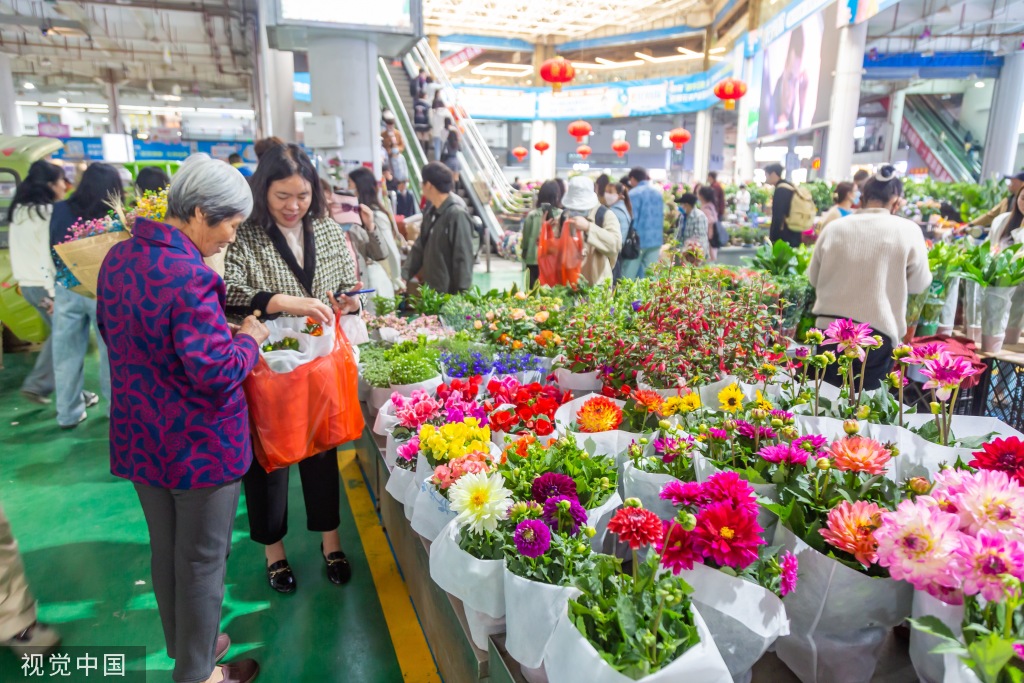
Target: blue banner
(91, 149)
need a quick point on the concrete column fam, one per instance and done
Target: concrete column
(541, 53)
(358, 103)
(542, 166)
(702, 145)
(845, 101)
(895, 123)
(10, 122)
(275, 109)
(744, 170)
(434, 42)
(114, 104)
(1003, 134)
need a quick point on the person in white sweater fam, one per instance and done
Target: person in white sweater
(31, 263)
(865, 266)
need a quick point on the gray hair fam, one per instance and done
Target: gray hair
(216, 188)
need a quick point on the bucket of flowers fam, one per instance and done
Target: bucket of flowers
(611, 424)
(514, 408)
(652, 464)
(401, 421)
(467, 557)
(635, 626)
(846, 604)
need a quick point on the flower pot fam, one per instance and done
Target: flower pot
(532, 609)
(570, 658)
(839, 617)
(380, 396)
(479, 584)
(995, 315)
(947, 317)
(431, 512)
(646, 487)
(609, 443)
(929, 666)
(1016, 320)
(744, 618)
(972, 309)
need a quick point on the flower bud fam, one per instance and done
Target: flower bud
(851, 427)
(564, 505)
(605, 483)
(702, 429)
(935, 407)
(901, 351)
(776, 423)
(758, 414)
(665, 424)
(633, 503)
(823, 464)
(643, 440)
(789, 433)
(894, 379)
(829, 357)
(893, 450)
(590, 531)
(729, 425)
(687, 520)
(919, 485)
(581, 548)
(814, 336)
(863, 412)
(802, 352)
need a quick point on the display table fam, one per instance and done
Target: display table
(734, 256)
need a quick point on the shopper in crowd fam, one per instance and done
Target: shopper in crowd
(418, 84)
(743, 201)
(859, 179)
(289, 259)
(151, 179)
(390, 129)
(405, 201)
(264, 145)
(19, 629)
(719, 192)
(364, 240)
(1005, 230)
(388, 279)
(450, 153)
(709, 207)
(616, 197)
(179, 424)
(442, 255)
(649, 222)
(1005, 205)
(600, 184)
(73, 313)
(692, 229)
(421, 121)
(599, 225)
(782, 201)
(31, 263)
(236, 160)
(516, 185)
(865, 266)
(843, 198)
(546, 207)
(439, 119)
(396, 160)
(562, 187)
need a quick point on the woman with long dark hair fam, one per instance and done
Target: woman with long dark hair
(547, 206)
(616, 197)
(364, 185)
(74, 314)
(289, 258)
(31, 263)
(1005, 224)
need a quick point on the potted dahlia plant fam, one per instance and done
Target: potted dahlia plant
(610, 424)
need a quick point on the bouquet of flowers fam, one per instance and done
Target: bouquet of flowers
(514, 407)
(453, 440)
(523, 321)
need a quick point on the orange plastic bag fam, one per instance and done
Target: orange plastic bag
(559, 258)
(313, 408)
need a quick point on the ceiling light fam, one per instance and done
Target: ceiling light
(45, 61)
(687, 55)
(62, 100)
(602, 64)
(716, 50)
(106, 119)
(24, 103)
(28, 86)
(979, 84)
(458, 67)
(503, 69)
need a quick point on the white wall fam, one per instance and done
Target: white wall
(975, 108)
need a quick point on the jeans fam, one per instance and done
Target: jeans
(438, 145)
(73, 314)
(40, 380)
(634, 269)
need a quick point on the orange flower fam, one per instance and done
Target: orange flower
(851, 528)
(541, 316)
(519, 447)
(517, 345)
(599, 414)
(650, 400)
(541, 340)
(860, 454)
(503, 339)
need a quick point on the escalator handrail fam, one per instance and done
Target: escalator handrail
(414, 157)
(955, 133)
(926, 130)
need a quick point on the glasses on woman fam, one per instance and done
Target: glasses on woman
(344, 208)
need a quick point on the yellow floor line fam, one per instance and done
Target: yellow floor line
(414, 656)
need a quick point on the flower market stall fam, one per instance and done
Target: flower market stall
(654, 483)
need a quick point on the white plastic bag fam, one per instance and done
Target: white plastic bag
(744, 618)
(920, 457)
(570, 658)
(610, 443)
(931, 667)
(957, 671)
(431, 512)
(947, 318)
(577, 382)
(386, 420)
(400, 483)
(972, 309)
(995, 315)
(839, 617)
(531, 611)
(599, 518)
(310, 347)
(479, 584)
(646, 487)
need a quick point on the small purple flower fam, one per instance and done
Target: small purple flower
(636, 306)
(802, 352)
(718, 434)
(788, 564)
(813, 444)
(552, 485)
(532, 538)
(564, 514)
(749, 431)
(786, 417)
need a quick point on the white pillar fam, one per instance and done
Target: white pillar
(845, 101)
(542, 166)
(275, 109)
(351, 94)
(702, 145)
(114, 104)
(10, 122)
(895, 123)
(744, 161)
(1003, 134)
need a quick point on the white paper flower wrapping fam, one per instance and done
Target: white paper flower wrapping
(531, 611)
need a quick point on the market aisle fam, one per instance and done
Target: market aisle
(85, 547)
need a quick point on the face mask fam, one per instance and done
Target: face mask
(856, 196)
(610, 199)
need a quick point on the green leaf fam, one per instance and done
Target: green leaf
(989, 655)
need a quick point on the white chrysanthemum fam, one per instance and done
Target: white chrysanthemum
(481, 501)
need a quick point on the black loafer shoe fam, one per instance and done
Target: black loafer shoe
(339, 571)
(281, 578)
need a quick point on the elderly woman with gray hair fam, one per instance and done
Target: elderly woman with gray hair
(179, 425)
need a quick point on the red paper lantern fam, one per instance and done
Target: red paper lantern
(542, 147)
(580, 130)
(557, 71)
(620, 147)
(679, 137)
(730, 90)
(584, 151)
(519, 153)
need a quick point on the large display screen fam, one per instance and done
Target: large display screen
(797, 75)
(387, 15)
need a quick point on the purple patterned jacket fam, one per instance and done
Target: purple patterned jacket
(178, 418)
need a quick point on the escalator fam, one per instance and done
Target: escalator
(488, 193)
(939, 140)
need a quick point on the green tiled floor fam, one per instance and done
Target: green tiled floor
(85, 546)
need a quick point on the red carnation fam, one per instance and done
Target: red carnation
(636, 526)
(544, 427)
(1005, 455)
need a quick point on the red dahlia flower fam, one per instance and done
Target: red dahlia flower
(1005, 455)
(636, 526)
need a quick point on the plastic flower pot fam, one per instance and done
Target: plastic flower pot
(972, 309)
(929, 666)
(947, 317)
(995, 314)
(1016, 321)
(915, 304)
(532, 609)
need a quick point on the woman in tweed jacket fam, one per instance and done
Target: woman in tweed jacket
(288, 259)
